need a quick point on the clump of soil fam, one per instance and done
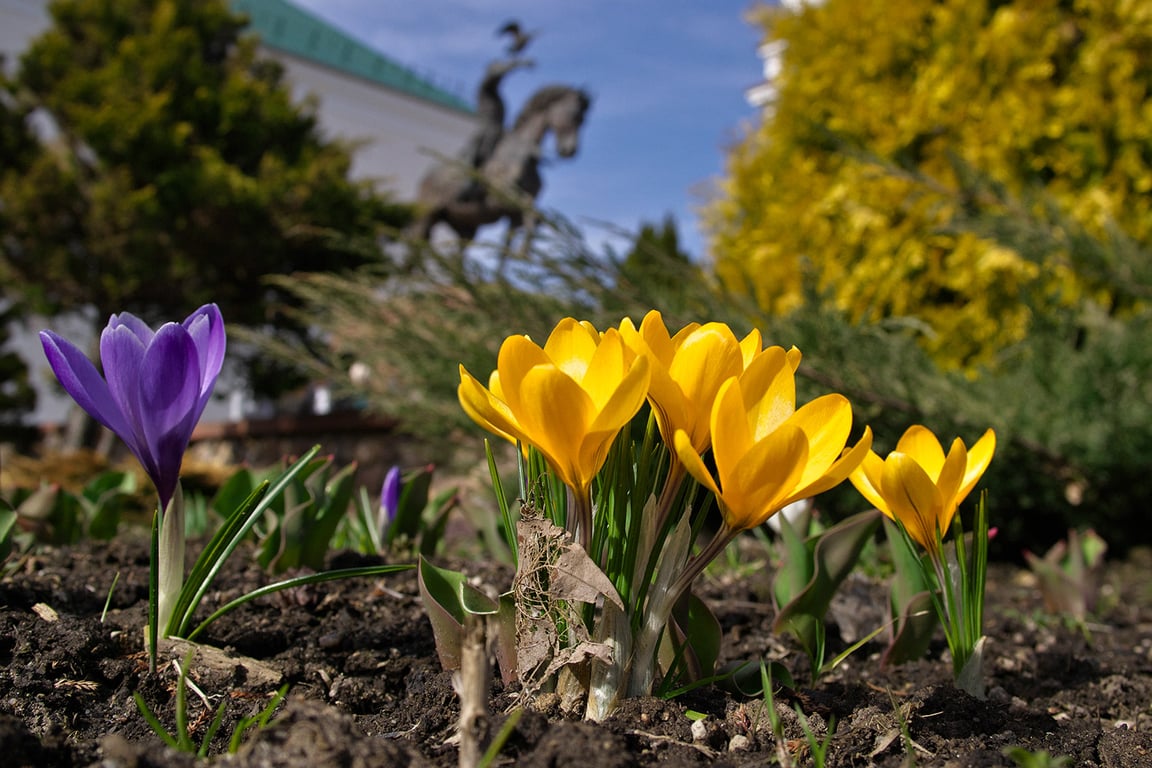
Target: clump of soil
(366, 689)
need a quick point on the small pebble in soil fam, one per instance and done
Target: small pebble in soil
(739, 743)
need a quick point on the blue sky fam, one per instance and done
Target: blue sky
(668, 78)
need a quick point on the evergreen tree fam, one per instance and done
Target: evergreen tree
(656, 272)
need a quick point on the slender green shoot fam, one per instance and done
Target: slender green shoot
(817, 746)
(501, 738)
(181, 739)
(108, 599)
(299, 581)
(259, 720)
(507, 515)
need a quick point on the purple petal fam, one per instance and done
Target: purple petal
(135, 325)
(390, 494)
(122, 353)
(81, 380)
(169, 400)
(389, 500)
(206, 326)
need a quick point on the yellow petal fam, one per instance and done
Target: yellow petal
(684, 333)
(769, 388)
(485, 409)
(605, 368)
(913, 497)
(867, 479)
(693, 463)
(731, 434)
(826, 422)
(571, 346)
(554, 415)
(705, 360)
(951, 476)
(755, 488)
(839, 471)
(919, 443)
(794, 358)
(751, 345)
(625, 399)
(979, 457)
(518, 355)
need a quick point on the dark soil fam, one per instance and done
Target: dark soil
(366, 688)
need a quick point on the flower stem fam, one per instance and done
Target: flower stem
(580, 515)
(171, 560)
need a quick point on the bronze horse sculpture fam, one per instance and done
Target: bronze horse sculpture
(506, 184)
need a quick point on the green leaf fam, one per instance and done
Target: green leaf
(298, 581)
(743, 678)
(329, 510)
(234, 491)
(833, 556)
(440, 591)
(7, 526)
(435, 520)
(410, 507)
(235, 528)
(694, 658)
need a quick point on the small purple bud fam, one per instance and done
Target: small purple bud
(389, 500)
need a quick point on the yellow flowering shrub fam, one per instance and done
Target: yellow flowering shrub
(851, 183)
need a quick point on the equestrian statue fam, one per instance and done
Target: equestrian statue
(498, 174)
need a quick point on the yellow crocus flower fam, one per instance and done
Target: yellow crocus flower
(767, 452)
(569, 398)
(921, 487)
(687, 371)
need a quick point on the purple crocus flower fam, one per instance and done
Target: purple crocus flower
(389, 500)
(157, 384)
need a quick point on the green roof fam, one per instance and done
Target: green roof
(285, 27)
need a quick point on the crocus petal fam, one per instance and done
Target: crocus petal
(979, 457)
(922, 445)
(951, 476)
(731, 435)
(605, 368)
(122, 353)
(86, 386)
(555, 415)
(133, 325)
(839, 471)
(826, 422)
(485, 409)
(389, 498)
(518, 355)
(570, 346)
(206, 327)
(169, 390)
(751, 345)
(755, 488)
(704, 360)
(769, 386)
(625, 400)
(867, 479)
(913, 497)
(693, 463)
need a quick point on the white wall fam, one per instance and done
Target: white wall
(402, 135)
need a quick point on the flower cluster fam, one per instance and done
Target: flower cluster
(723, 421)
(570, 398)
(711, 395)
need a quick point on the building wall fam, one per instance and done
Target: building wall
(402, 136)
